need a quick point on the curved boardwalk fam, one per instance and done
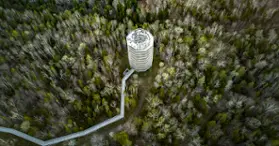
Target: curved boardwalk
(77, 134)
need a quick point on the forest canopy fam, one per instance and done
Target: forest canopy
(214, 79)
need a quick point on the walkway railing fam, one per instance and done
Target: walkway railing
(126, 73)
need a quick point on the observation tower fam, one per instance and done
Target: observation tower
(140, 45)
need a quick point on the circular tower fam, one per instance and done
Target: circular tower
(140, 49)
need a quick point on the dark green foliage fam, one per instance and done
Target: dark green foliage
(200, 104)
(122, 138)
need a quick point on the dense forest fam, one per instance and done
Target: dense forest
(214, 79)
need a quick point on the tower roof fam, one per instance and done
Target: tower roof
(139, 39)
